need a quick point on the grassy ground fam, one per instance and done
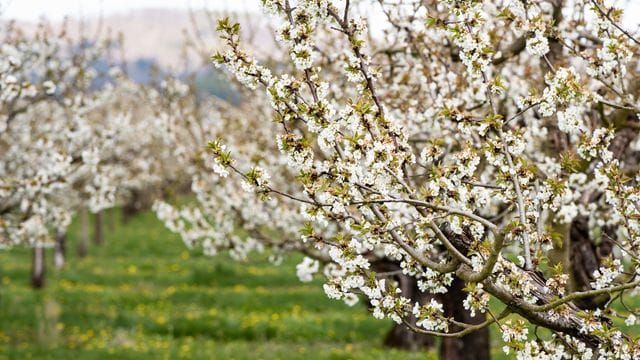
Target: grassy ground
(142, 295)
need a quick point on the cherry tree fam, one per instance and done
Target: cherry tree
(490, 143)
(137, 133)
(68, 145)
(43, 137)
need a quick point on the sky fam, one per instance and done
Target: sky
(33, 10)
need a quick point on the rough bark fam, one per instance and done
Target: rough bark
(83, 238)
(98, 234)
(59, 250)
(38, 267)
(475, 346)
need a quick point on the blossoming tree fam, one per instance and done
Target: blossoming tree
(43, 137)
(491, 143)
(69, 144)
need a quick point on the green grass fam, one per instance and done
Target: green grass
(143, 295)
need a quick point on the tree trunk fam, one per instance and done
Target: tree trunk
(475, 346)
(129, 211)
(135, 204)
(59, 250)
(400, 336)
(585, 254)
(98, 234)
(83, 239)
(586, 257)
(37, 267)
